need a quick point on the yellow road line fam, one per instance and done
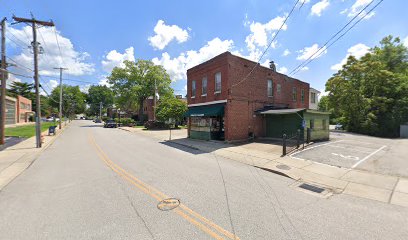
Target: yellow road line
(156, 194)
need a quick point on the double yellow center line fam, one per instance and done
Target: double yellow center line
(191, 216)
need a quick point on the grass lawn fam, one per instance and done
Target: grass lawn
(27, 131)
(139, 126)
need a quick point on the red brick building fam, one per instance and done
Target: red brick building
(225, 102)
(24, 109)
(148, 108)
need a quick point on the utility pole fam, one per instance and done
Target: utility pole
(100, 111)
(154, 99)
(35, 44)
(60, 101)
(3, 81)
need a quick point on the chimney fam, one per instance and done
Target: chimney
(272, 66)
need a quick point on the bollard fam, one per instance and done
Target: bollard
(298, 138)
(308, 131)
(284, 145)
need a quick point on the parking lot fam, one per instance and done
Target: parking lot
(379, 155)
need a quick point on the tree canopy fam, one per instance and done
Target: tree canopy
(73, 100)
(99, 94)
(370, 95)
(171, 107)
(135, 82)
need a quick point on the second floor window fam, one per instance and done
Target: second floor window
(278, 88)
(313, 97)
(294, 94)
(270, 88)
(193, 88)
(217, 82)
(302, 95)
(204, 86)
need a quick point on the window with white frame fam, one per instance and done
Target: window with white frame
(270, 88)
(294, 94)
(193, 89)
(217, 82)
(204, 86)
(313, 97)
(278, 88)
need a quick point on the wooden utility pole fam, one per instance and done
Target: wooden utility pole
(35, 44)
(60, 101)
(3, 75)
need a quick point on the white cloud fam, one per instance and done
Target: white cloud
(344, 11)
(304, 68)
(104, 81)
(115, 59)
(53, 83)
(307, 52)
(261, 32)
(185, 88)
(70, 58)
(283, 70)
(286, 52)
(357, 51)
(177, 67)
(319, 7)
(85, 88)
(12, 78)
(165, 34)
(358, 6)
(405, 41)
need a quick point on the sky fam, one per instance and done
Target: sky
(92, 37)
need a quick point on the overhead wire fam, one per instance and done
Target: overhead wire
(311, 59)
(269, 45)
(59, 47)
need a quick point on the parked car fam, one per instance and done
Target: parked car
(110, 124)
(338, 127)
(98, 120)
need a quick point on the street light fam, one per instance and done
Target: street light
(119, 115)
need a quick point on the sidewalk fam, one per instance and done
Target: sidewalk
(15, 159)
(336, 180)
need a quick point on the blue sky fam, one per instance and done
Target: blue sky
(94, 36)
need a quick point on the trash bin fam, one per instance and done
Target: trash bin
(52, 130)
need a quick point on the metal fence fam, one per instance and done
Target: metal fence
(293, 141)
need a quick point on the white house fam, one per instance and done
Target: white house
(313, 98)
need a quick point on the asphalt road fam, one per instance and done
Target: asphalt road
(372, 154)
(96, 183)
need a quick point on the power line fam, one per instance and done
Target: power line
(59, 48)
(269, 45)
(17, 74)
(338, 38)
(24, 44)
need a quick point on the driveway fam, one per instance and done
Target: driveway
(379, 155)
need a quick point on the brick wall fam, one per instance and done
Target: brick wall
(148, 106)
(23, 109)
(244, 96)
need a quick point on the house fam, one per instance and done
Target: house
(314, 99)
(225, 102)
(18, 110)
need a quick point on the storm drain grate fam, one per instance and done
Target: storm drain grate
(311, 188)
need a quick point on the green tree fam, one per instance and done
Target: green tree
(73, 100)
(96, 95)
(135, 82)
(22, 89)
(370, 95)
(171, 107)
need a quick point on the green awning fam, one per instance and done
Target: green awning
(206, 111)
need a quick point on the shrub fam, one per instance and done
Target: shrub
(152, 125)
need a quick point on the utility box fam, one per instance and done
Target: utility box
(404, 131)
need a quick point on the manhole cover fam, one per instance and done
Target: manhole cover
(168, 204)
(283, 167)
